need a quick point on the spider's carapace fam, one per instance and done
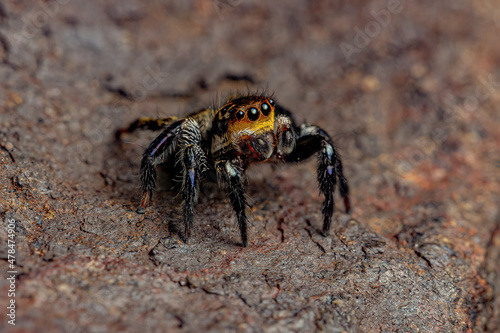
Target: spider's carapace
(245, 126)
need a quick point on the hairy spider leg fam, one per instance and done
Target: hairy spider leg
(146, 123)
(284, 131)
(312, 139)
(158, 151)
(231, 175)
(195, 167)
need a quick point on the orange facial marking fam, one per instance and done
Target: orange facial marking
(245, 118)
(262, 124)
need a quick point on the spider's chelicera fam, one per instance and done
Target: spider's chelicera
(224, 141)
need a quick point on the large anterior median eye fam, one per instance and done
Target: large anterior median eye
(253, 114)
(266, 109)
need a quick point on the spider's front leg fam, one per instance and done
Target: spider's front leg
(183, 137)
(231, 177)
(195, 166)
(312, 139)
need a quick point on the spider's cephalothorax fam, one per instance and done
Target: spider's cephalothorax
(223, 141)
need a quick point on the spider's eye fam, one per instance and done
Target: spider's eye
(266, 109)
(253, 114)
(223, 111)
(240, 114)
(271, 101)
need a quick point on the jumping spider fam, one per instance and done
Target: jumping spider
(219, 143)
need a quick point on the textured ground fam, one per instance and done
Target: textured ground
(413, 110)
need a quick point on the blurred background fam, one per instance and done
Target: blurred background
(408, 90)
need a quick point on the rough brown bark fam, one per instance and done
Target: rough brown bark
(414, 113)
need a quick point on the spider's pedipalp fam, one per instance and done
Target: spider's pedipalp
(194, 167)
(285, 131)
(286, 136)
